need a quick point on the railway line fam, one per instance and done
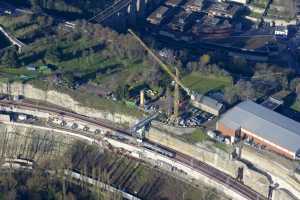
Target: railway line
(202, 167)
(220, 177)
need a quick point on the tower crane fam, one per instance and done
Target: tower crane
(175, 77)
(161, 63)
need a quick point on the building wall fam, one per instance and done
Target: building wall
(269, 145)
(258, 140)
(206, 108)
(226, 130)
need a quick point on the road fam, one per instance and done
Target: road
(201, 167)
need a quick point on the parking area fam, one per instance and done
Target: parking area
(194, 117)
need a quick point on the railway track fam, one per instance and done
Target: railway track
(202, 167)
(221, 177)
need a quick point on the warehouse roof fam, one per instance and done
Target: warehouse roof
(265, 123)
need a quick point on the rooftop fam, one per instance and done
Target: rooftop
(194, 5)
(265, 123)
(173, 3)
(224, 9)
(158, 15)
(208, 101)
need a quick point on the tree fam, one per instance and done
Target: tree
(122, 92)
(10, 57)
(53, 55)
(204, 60)
(245, 90)
(295, 86)
(231, 95)
(68, 80)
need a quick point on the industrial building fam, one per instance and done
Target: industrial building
(226, 10)
(181, 22)
(262, 126)
(207, 104)
(160, 14)
(194, 5)
(209, 26)
(173, 3)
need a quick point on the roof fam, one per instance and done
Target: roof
(208, 101)
(265, 123)
(173, 2)
(194, 4)
(158, 14)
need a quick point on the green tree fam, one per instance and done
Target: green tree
(122, 92)
(68, 80)
(295, 86)
(10, 57)
(204, 60)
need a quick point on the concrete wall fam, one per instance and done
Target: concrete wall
(64, 100)
(282, 170)
(215, 157)
(258, 140)
(146, 154)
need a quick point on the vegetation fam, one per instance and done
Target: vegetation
(39, 185)
(255, 14)
(204, 83)
(91, 53)
(296, 105)
(3, 41)
(260, 3)
(198, 135)
(222, 146)
(51, 153)
(75, 58)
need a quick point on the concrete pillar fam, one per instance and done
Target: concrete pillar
(142, 98)
(132, 12)
(141, 7)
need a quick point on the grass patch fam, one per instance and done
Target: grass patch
(222, 146)
(197, 136)
(204, 83)
(255, 14)
(296, 106)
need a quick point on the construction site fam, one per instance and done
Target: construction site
(155, 140)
